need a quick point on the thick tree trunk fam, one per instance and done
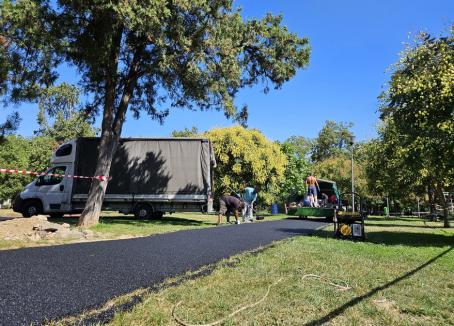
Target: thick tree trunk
(107, 148)
(108, 142)
(444, 203)
(112, 125)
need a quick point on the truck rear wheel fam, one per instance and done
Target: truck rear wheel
(31, 208)
(143, 212)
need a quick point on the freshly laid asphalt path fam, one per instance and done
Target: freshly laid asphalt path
(48, 283)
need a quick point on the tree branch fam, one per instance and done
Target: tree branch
(130, 84)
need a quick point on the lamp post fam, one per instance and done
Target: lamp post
(419, 213)
(387, 206)
(352, 143)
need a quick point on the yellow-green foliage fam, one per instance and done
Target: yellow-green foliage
(246, 156)
(420, 103)
(339, 169)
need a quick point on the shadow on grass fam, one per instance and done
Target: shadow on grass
(166, 220)
(70, 220)
(412, 239)
(130, 220)
(340, 310)
(389, 225)
(393, 219)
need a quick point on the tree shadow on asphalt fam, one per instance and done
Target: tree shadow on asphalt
(340, 310)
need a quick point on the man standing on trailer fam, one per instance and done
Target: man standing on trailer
(228, 205)
(249, 197)
(312, 186)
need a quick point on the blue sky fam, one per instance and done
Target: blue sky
(353, 43)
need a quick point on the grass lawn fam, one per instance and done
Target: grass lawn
(402, 275)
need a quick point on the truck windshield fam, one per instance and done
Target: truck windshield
(49, 179)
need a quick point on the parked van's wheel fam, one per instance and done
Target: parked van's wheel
(31, 208)
(143, 211)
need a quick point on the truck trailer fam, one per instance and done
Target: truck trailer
(148, 177)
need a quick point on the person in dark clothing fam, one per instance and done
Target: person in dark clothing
(228, 205)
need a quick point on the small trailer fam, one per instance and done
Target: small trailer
(327, 208)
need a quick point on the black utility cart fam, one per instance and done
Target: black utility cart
(349, 222)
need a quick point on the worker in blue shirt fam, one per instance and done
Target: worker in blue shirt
(249, 197)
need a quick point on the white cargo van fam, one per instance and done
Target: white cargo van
(148, 177)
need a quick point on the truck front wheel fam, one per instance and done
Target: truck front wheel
(31, 208)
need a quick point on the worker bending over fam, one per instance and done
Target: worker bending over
(228, 205)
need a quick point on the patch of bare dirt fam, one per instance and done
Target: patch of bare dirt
(39, 228)
(388, 305)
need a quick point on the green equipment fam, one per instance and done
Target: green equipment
(327, 208)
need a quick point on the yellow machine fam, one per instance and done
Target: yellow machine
(349, 220)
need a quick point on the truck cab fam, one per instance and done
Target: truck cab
(49, 193)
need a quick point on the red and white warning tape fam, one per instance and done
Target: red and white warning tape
(25, 172)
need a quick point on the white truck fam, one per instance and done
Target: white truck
(148, 177)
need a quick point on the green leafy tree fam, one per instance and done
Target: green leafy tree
(193, 132)
(41, 150)
(14, 153)
(420, 104)
(297, 149)
(24, 154)
(387, 170)
(246, 157)
(338, 169)
(146, 56)
(333, 139)
(10, 125)
(60, 103)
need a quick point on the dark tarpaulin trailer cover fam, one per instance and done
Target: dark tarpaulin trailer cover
(150, 166)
